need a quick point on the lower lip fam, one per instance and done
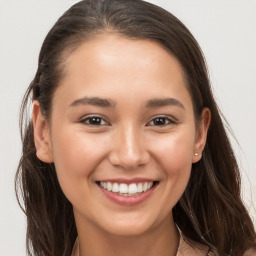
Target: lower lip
(128, 200)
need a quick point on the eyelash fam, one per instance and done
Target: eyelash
(96, 119)
(99, 121)
(167, 121)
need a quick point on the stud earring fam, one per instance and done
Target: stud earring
(196, 154)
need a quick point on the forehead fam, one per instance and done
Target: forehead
(110, 65)
(108, 47)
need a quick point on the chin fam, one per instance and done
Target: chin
(128, 230)
(134, 227)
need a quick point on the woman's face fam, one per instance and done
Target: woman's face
(122, 134)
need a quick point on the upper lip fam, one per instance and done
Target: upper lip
(127, 181)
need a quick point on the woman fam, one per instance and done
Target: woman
(126, 152)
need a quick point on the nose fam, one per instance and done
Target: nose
(128, 149)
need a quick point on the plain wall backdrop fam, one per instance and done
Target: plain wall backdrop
(226, 31)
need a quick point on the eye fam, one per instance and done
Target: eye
(94, 121)
(161, 121)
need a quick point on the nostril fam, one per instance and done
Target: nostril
(129, 160)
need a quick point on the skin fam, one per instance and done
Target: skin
(126, 143)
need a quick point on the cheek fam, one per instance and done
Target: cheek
(175, 154)
(75, 157)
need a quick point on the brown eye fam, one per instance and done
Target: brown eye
(94, 121)
(161, 121)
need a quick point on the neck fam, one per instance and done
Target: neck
(159, 240)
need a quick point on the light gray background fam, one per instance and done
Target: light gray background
(226, 31)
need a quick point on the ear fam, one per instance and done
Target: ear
(201, 134)
(41, 135)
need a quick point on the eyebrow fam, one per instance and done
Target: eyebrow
(154, 103)
(95, 101)
(102, 102)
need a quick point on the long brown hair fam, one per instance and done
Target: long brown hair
(210, 211)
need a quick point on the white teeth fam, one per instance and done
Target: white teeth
(139, 188)
(145, 187)
(132, 188)
(109, 186)
(115, 187)
(125, 189)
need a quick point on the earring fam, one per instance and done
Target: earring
(196, 154)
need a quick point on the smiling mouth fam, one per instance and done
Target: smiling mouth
(124, 189)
